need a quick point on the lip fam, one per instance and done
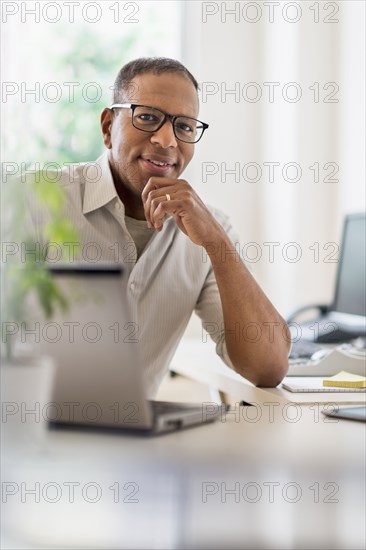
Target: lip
(154, 168)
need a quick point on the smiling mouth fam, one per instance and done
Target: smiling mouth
(158, 163)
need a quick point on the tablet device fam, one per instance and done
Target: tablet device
(352, 413)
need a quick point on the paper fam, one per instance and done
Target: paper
(345, 380)
(314, 384)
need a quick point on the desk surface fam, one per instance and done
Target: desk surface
(261, 477)
(198, 360)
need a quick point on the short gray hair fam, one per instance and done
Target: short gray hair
(142, 65)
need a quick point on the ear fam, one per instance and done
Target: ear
(106, 121)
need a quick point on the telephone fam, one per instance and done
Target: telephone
(327, 328)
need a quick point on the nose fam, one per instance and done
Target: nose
(165, 136)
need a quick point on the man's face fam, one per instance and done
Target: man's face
(132, 151)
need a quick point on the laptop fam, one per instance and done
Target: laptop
(99, 377)
(345, 318)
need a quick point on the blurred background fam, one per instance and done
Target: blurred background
(282, 86)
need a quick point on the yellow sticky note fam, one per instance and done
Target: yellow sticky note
(345, 380)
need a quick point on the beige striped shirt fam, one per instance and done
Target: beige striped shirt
(169, 280)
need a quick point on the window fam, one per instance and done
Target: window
(61, 59)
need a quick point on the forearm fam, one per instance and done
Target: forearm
(256, 336)
(262, 359)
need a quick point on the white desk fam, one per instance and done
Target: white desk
(265, 482)
(199, 361)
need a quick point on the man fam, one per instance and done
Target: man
(148, 149)
(131, 207)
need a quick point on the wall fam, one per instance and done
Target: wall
(317, 122)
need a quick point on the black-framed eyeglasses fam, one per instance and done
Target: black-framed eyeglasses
(150, 119)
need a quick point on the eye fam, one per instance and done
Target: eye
(184, 127)
(147, 117)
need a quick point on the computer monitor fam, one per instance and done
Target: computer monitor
(345, 318)
(350, 292)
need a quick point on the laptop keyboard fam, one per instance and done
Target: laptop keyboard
(337, 335)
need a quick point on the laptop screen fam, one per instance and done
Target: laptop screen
(350, 295)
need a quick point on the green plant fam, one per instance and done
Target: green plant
(27, 274)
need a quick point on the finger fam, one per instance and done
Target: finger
(154, 188)
(155, 183)
(158, 208)
(165, 208)
(147, 207)
(158, 195)
(151, 203)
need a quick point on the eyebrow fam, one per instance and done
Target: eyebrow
(166, 112)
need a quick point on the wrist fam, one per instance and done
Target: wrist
(219, 247)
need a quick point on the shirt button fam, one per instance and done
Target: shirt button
(132, 286)
(117, 206)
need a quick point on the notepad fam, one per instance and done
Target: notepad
(314, 385)
(345, 380)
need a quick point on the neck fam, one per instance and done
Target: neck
(132, 202)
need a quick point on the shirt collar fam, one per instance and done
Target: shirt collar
(99, 185)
